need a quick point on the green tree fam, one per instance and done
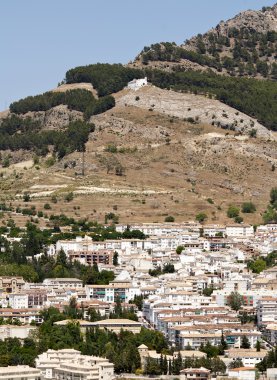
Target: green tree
(152, 367)
(237, 363)
(179, 249)
(61, 258)
(210, 350)
(223, 345)
(258, 265)
(217, 366)
(115, 259)
(138, 301)
(245, 342)
(208, 291)
(177, 364)
(235, 301)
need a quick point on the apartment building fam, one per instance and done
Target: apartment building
(25, 316)
(267, 310)
(19, 372)
(18, 300)
(214, 230)
(196, 335)
(162, 229)
(121, 288)
(239, 230)
(71, 283)
(70, 364)
(92, 257)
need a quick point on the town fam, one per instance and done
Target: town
(189, 299)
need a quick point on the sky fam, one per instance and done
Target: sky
(41, 39)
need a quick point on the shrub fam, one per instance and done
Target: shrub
(232, 211)
(238, 219)
(201, 217)
(47, 206)
(111, 148)
(6, 162)
(169, 219)
(26, 197)
(190, 120)
(253, 133)
(50, 162)
(273, 197)
(69, 197)
(248, 208)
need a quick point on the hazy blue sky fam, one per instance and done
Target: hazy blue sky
(41, 39)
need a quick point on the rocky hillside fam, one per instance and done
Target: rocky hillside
(143, 164)
(243, 46)
(195, 109)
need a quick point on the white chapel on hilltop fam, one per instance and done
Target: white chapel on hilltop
(135, 84)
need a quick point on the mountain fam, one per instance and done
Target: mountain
(245, 45)
(198, 138)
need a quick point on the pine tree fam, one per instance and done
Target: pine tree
(161, 363)
(223, 345)
(177, 364)
(245, 342)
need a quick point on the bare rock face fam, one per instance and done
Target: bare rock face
(126, 128)
(55, 118)
(194, 108)
(260, 21)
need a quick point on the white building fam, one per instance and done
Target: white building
(18, 300)
(271, 333)
(71, 364)
(243, 373)
(267, 310)
(239, 230)
(135, 84)
(248, 357)
(20, 332)
(19, 372)
(63, 283)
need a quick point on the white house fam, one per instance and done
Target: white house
(135, 84)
